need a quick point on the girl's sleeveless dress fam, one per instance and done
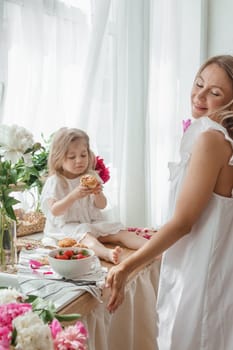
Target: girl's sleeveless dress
(82, 216)
(195, 297)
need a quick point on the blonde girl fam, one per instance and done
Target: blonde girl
(73, 210)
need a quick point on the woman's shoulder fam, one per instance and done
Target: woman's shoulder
(208, 131)
(215, 142)
(205, 124)
(213, 139)
(215, 134)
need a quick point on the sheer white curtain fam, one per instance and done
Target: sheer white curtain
(118, 69)
(159, 48)
(132, 24)
(176, 51)
(46, 45)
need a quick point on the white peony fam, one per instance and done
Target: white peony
(14, 141)
(32, 333)
(10, 295)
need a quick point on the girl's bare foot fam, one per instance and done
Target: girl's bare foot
(114, 255)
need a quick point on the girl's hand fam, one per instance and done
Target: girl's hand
(98, 189)
(82, 191)
(116, 280)
(100, 199)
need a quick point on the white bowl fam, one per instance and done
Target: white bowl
(73, 269)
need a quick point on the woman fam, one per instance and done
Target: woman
(195, 307)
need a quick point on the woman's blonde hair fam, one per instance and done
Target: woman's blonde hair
(61, 141)
(225, 113)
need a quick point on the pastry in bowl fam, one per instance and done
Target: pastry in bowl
(89, 181)
(72, 262)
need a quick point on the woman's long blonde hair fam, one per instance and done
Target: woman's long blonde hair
(225, 113)
(59, 147)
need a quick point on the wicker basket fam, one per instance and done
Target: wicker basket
(29, 223)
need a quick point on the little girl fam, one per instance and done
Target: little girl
(73, 210)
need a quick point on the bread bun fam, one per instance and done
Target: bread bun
(66, 242)
(89, 181)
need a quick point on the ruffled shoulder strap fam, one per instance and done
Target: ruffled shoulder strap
(196, 128)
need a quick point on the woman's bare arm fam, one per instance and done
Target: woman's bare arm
(199, 183)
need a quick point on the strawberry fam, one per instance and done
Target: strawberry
(57, 256)
(62, 257)
(80, 256)
(69, 253)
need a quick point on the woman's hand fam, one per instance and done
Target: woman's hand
(116, 280)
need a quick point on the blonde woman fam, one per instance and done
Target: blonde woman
(195, 308)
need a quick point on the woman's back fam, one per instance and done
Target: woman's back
(224, 184)
(195, 294)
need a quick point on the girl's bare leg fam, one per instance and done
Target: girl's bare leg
(112, 255)
(129, 239)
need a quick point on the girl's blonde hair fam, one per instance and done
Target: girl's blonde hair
(225, 113)
(61, 141)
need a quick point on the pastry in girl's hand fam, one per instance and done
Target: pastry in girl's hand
(89, 181)
(66, 242)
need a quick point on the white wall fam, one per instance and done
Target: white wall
(220, 27)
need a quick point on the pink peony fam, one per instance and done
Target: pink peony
(5, 337)
(72, 338)
(55, 327)
(101, 169)
(22, 328)
(8, 312)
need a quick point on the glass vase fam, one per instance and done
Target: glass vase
(8, 249)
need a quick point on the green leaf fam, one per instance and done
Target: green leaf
(40, 303)
(69, 317)
(13, 337)
(46, 315)
(10, 212)
(85, 252)
(10, 201)
(31, 298)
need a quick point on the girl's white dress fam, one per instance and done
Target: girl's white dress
(195, 297)
(82, 216)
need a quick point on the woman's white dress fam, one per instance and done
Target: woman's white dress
(195, 298)
(82, 216)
